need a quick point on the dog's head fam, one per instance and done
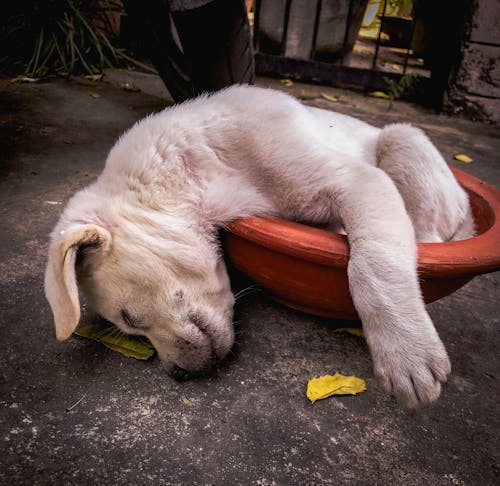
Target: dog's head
(148, 277)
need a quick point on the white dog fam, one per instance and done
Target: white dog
(141, 241)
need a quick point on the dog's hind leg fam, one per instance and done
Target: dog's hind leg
(438, 207)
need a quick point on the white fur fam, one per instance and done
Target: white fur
(143, 235)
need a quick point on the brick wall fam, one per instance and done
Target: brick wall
(474, 89)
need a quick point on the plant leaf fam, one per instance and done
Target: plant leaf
(328, 97)
(304, 95)
(287, 82)
(337, 384)
(130, 87)
(130, 346)
(351, 330)
(463, 158)
(379, 94)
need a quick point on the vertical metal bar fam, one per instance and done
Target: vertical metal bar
(348, 23)
(316, 28)
(377, 45)
(256, 29)
(413, 23)
(285, 26)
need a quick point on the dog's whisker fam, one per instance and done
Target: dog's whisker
(254, 287)
(105, 331)
(242, 294)
(119, 333)
(249, 289)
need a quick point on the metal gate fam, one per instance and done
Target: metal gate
(368, 44)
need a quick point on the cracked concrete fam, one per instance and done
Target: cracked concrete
(249, 423)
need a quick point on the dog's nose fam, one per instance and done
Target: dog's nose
(180, 374)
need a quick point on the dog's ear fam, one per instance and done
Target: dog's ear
(66, 249)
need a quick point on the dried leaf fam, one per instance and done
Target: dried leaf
(351, 330)
(185, 401)
(463, 158)
(305, 95)
(95, 95)
(331, 98)
(287, 82)
(337, 384)
(130, 346)
(93, 77)
(24, 79)
(130, 87)
(379, 94)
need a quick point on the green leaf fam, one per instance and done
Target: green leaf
(130, 346)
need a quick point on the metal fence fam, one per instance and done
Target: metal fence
(336, 42)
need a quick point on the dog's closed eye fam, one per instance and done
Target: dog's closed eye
(130, 321)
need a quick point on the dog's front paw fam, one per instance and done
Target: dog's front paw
(412, 369)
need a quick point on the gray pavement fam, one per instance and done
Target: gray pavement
(250, 423)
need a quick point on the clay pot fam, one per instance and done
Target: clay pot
(306, 268)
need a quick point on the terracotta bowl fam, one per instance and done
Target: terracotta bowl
(305, 267)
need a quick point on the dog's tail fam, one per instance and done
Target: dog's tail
(438, 207)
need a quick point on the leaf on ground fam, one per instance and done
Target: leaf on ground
(130, 346)
(95, 95)
(351, 330)
(24, 79)
(331, 98)
(463, 158)
(287, 82)
(305, 95)
(130, 87)
(93, 77)
(379, 94)
(337, 384)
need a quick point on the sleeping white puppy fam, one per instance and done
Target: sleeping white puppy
(141, 241)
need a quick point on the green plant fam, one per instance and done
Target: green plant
(59, 37)
(396, 89)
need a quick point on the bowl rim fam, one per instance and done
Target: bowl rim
(477, 255)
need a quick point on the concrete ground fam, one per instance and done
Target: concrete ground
(250, 423)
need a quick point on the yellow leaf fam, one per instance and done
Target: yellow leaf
(328, 97)
(337, 384)
(130, 346)
(463, 158)
(130, 87)
(185, 401)
(287, 82)
(379, 94)
(351, 330)
(304, 95)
